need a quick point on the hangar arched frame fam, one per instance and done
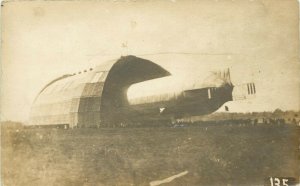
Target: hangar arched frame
(92, 98)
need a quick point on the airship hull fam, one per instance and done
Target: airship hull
(187, 103)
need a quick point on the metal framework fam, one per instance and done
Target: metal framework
(91, 98)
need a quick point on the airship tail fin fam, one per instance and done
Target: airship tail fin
(244, 91)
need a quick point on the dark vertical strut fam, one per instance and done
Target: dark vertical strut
(248, 88)
(254, 88)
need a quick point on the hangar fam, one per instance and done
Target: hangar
(91, 98)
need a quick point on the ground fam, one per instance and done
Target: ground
(212, 155)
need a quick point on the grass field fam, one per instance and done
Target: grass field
(215, 155)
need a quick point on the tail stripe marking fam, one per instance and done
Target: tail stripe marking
(248, 88)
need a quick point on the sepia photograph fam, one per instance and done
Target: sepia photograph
(150, 93)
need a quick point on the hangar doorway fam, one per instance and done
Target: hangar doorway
(125, 72)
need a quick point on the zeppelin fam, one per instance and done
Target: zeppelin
(167, 98)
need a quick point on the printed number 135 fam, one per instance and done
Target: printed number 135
(278, 182)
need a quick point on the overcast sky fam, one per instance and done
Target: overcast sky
(258, 40)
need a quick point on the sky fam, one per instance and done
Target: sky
(257, 39)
